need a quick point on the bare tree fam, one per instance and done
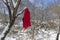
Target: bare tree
(12, 16)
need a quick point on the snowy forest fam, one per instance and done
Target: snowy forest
(44, 18)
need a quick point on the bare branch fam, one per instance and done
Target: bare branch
(21, 12)
(12, 21)
(12, 4)
(15, 10)
(9, 10)
(17, 5)
(7, 1)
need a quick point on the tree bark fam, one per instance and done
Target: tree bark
(57, 38)
(8, 30)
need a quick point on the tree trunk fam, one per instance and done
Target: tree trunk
(57, 38)
(8, 30)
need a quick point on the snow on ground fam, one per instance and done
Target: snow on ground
(46, 35)
(10, 38)
(41, 35)
(1, 25)
(59, 37)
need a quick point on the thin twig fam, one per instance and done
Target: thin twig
(21, 12)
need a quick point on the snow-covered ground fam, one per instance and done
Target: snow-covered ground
(46, 35)
(10, 38)
(21, 34)
(42, 35)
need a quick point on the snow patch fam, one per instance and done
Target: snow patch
(10, 38)
(59, 37)
(6, 28)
